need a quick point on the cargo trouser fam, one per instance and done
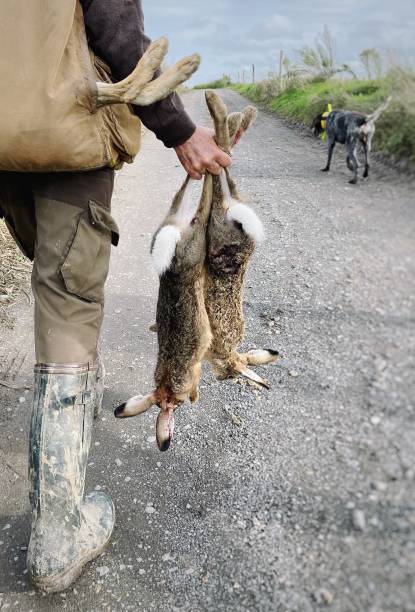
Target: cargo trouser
(63, 223)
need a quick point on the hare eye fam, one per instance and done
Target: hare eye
(193, 221)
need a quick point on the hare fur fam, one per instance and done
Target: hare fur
(232, 233)
(182, 323)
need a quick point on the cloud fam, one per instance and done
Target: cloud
(276, 24)
(233, 34)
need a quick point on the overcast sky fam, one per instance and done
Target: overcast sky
(230, 35)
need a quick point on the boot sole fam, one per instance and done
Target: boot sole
(60, 582)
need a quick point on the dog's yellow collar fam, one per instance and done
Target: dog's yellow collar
(324, 121)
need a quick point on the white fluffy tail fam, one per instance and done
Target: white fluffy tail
(251, 224)
(376, 114)
(164, 248)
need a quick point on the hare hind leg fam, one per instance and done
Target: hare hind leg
(168, 81)
(194, 391)
(253, 358)
(235, 365)
(246, 372)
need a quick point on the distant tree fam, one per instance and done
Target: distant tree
(320, 59)
(372, 62)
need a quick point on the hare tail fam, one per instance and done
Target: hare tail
(251, 224)
(164, 247)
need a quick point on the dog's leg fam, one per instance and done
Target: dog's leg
(351, 145)
(331, 144)
(366, 147)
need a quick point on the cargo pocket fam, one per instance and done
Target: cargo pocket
(85, 268)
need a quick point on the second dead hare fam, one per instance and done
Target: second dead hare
(201, 252)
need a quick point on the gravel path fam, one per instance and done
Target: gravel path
(309, 502)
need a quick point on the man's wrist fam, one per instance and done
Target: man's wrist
(178, 132)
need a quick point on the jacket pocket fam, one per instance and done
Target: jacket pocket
(85, 268)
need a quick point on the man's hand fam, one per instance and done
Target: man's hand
(201, 154)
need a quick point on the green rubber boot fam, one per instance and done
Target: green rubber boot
(67, 530)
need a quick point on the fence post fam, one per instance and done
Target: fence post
(253, 73)
(280, 68)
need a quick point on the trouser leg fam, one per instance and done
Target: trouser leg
(72, 253)
(69, 273)
(70, 242)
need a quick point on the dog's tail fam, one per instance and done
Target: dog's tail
(377, 113)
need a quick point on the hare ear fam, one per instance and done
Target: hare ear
(165, 427)
(219, 114)
(135, 405)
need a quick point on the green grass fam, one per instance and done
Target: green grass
(395, 129)
(218, 84)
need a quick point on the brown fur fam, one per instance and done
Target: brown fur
(182, 323)
(229, 250)
(199, 308)
(228, 255)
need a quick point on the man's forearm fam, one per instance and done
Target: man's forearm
(115, 30)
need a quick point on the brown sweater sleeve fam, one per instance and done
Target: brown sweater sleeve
(115, 30)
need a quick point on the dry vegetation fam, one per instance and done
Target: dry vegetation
(14, 276)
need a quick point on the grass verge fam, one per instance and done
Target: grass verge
(395, 129)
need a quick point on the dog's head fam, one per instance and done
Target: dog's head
(316, 126)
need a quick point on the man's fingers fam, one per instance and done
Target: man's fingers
(223, 159)
(193, 173)
(213, 168)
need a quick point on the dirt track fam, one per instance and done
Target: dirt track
(311, 501)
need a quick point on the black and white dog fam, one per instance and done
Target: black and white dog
(349, 128)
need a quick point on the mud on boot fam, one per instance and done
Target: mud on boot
(67, 530)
